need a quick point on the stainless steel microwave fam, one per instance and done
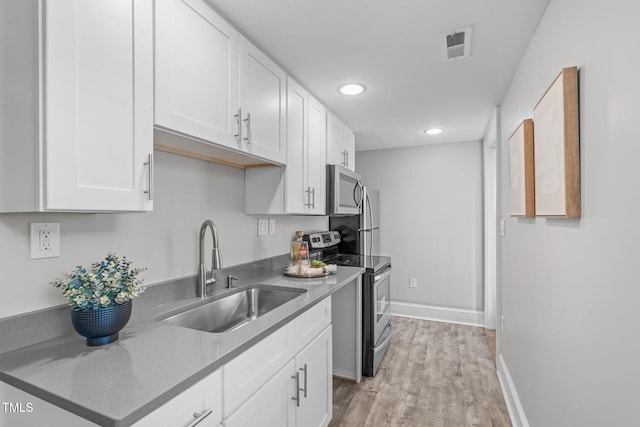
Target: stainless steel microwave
(344, 191)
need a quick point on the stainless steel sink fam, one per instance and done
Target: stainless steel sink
(234, 310)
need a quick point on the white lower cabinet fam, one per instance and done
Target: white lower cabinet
(250, 370)
(314, 370)
(201, 404)
(271, 405)
(301, 392)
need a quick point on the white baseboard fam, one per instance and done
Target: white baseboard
(438, 314)
(511, 398)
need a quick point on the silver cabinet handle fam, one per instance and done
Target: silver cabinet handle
(149, 162)
(346, 153)
(200, 417)
(307, 192)
(305, 379)
(297, 398)
(313, 200)
(248, 122)
(238, 117)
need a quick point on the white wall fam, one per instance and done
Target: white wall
(490, 169)
(570, 288)
(187, 192)
(431, 218)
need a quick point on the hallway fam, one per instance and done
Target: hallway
(434, 374)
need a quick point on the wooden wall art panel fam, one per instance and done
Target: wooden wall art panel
(521, 171)
(557, 148)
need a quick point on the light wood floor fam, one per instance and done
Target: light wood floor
(434, 374)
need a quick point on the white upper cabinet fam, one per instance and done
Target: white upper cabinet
(197, 71)
(263, 87)
(80, 87)
(297, 196)
(317, 156)
(298, 188)
(349, 148)
(306, 153)
(341, 143)
(214, 86)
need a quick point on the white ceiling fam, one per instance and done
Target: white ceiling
(394, 48)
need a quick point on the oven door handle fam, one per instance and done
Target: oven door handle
(377, 278)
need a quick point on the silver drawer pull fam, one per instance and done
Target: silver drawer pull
(248, 122)
(297, 398)
(305, 379)
(200, 417)
(238, 118)
(149, 162)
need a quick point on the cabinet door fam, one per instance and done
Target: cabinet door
(196, 76)
(264, 359)
(317, 156)
(335, 141)
(263, 100)
(349, 144)
(271, 405)
(297, 191)
(202, 401)
(314, 364)
(98, 104)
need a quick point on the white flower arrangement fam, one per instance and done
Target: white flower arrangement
(109, 282)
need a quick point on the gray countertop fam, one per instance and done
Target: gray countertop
(152, 361)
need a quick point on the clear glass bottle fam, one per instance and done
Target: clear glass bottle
(299, 255)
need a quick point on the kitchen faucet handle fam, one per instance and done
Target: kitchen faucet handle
(230, 280)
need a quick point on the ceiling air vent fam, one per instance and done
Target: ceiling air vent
(457, 43)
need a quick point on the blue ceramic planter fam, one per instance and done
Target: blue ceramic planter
(101, 326)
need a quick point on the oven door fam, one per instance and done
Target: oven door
(381, 294)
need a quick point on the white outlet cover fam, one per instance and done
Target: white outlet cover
(272, 226)
(53, 250)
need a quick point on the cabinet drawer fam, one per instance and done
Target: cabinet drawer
(249, 371)
(202, 397)
(311, 323)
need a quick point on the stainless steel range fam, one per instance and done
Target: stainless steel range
(376, 322)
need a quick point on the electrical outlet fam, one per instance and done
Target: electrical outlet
(272, 226)
(263, 227)
(45, 240)
(413, 282)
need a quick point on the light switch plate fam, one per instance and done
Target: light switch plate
(45, 240)
(263, 227)
(272, 226)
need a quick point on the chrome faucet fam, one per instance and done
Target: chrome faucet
(216, 258)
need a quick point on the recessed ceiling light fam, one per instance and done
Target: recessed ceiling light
(352, 89)
(434, 131)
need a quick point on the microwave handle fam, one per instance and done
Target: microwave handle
(358, 200)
